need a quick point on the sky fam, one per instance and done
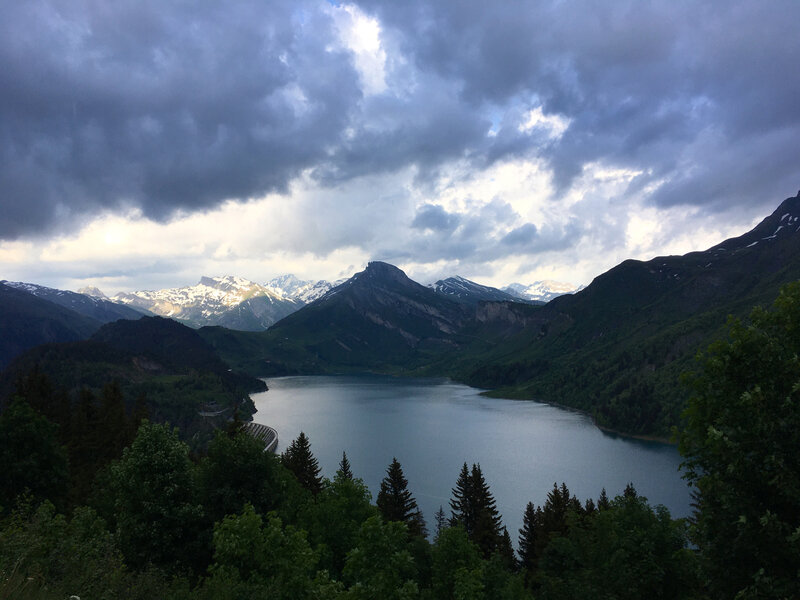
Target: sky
(145, 143)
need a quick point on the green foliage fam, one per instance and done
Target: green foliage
(740, 445)
(45, 555)
(237, 471)
(155, 483)
(627, 552)
(30, 455)
(258, 559)
(396, 503)
(300, 461)
(457, 566)
(334, 520)
(381, 566)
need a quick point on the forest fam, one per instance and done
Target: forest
(96, 501)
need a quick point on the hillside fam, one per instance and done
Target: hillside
(616, 349)
(168, 364)
(27, 321)
(88, 305)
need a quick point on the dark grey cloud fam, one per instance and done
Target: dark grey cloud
(435, 218)
(663, 87)
(166, 106)
(521, 236)
(162, 106)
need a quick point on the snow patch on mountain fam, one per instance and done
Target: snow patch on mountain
(211, 297)
(541, 291)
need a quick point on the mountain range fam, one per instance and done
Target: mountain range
(614, 349)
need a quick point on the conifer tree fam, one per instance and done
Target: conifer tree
(396, 503)
(630, 491)
(441, 522)
(461, 504)
(506, 551)
(474, 508)
(344, 471)
(300, 461)
(488, 524)
(603, 503)
(528, 543)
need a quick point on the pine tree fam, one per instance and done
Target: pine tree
(300, 461)
(528, 537)
(441, 522)
(474, 508)
(396, 503)
(488, 524)
(506, 551)
(630, 491)
(344, 471)
(461, 505)
(603, 502)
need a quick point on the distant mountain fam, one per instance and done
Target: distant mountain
(463, 290)
(93, 306)
(377, 319)
(91, 290)
(541, 291)
(305, 291)
(27, 320)
(232, 302)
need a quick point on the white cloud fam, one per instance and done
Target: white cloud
(361, 35)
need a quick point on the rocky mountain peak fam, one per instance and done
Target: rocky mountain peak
(381, 271)
(92, 291)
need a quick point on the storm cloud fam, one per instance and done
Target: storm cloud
(166, 108)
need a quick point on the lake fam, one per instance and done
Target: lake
(433, 426)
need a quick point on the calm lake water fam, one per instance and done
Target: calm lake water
(433, 426)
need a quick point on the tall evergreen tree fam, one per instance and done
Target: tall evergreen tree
(461, 505)
(344, 471)
(488, 524)
(441, 522)
(396, 503)
(506, 551)
(603, 503)
(474, 508)
(300, 461)
(528, 542)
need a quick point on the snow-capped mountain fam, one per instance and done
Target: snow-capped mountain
(230, 301)
(96, 307)
(541, 291)
(306, 291)
(92, 291)
(463, 290)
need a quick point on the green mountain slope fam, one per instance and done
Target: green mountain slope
(616, 349)
(170, 365)
(27, 321)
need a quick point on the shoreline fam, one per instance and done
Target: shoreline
(498, 393)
